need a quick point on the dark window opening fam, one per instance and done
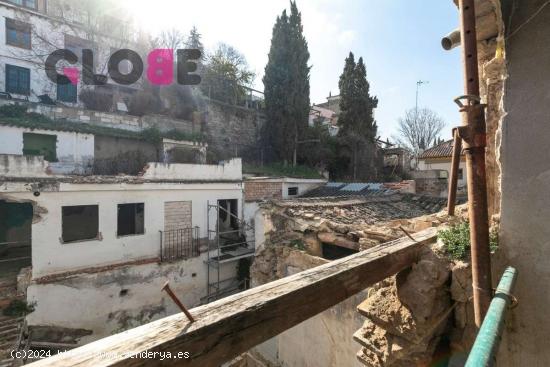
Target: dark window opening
(80, 222)
(130, 219)
(460, 173)
(18, 80)
(15, 237)
(40, 144)
(66, 92)
(18, 34)
(332, 252)
(228, 214)
(292, 191)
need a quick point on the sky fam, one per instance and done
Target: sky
(398, 39)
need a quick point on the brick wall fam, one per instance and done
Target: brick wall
(177, 215)
(254, 191)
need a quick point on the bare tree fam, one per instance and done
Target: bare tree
(419, 129)
(171, 38)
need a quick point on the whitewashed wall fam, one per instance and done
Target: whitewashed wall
(423, 165)
(303, 186)
(50, 255)
(94, 302)
(75, 151)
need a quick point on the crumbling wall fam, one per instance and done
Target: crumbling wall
(80, 308)
(329, 334)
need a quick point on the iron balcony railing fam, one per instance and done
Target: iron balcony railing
(177, 244)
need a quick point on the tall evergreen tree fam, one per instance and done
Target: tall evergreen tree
(357, 125)
(286, 86)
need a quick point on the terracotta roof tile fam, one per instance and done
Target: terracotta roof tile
(439, 151)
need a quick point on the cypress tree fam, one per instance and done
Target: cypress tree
(286, 86)
(357, 125)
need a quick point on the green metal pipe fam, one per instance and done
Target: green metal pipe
(485, 347)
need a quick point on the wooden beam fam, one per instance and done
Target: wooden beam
(228, 327)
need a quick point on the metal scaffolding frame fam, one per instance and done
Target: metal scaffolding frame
(225, 253)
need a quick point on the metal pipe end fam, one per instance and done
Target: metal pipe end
(451, 40)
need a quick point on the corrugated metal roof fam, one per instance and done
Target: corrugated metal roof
(442, 150)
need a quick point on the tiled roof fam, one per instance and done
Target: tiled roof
(442, 150)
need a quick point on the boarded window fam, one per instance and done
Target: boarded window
(18, 80)
(177, 215)
(18, 34)
(292, 191)
(40, 144)
(130, 219)
(80, 222)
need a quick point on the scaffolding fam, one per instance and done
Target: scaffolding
(230, 246)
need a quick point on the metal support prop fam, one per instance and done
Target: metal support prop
(473, 135)
(485, 347)
(453, 180)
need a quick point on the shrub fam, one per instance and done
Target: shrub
(143, 103)
(97, 101)
(18, 308)
(13, 110)
(456, 240)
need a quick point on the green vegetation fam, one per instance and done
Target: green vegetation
(298, 244)
(457, 241)
(357, 126)
(286, 87)
(15, 115)
(18, 308)
(279, 169)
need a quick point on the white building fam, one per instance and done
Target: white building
(439, 158)
(100, 248)
(31, 29)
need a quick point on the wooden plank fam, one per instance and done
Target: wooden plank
(228, 327)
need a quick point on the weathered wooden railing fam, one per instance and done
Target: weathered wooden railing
(228, 327)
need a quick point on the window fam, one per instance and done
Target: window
(130, 219)
(18, 80)
(18, 34)
(40, 144)
(460, 174)
(79, 223)
(66, 92)
(26, 3)
(292, 191)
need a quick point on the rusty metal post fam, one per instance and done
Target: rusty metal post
(176, 300)
(453, 180)
(473, 134)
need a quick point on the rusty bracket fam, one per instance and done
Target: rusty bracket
(473, 135)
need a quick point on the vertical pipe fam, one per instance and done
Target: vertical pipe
(453, 180)
(161, 245)
(485, 347)
(208, 251)
(473, 134)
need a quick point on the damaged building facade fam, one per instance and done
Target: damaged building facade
(98, 249)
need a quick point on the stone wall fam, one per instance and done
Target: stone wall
(233, 131)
